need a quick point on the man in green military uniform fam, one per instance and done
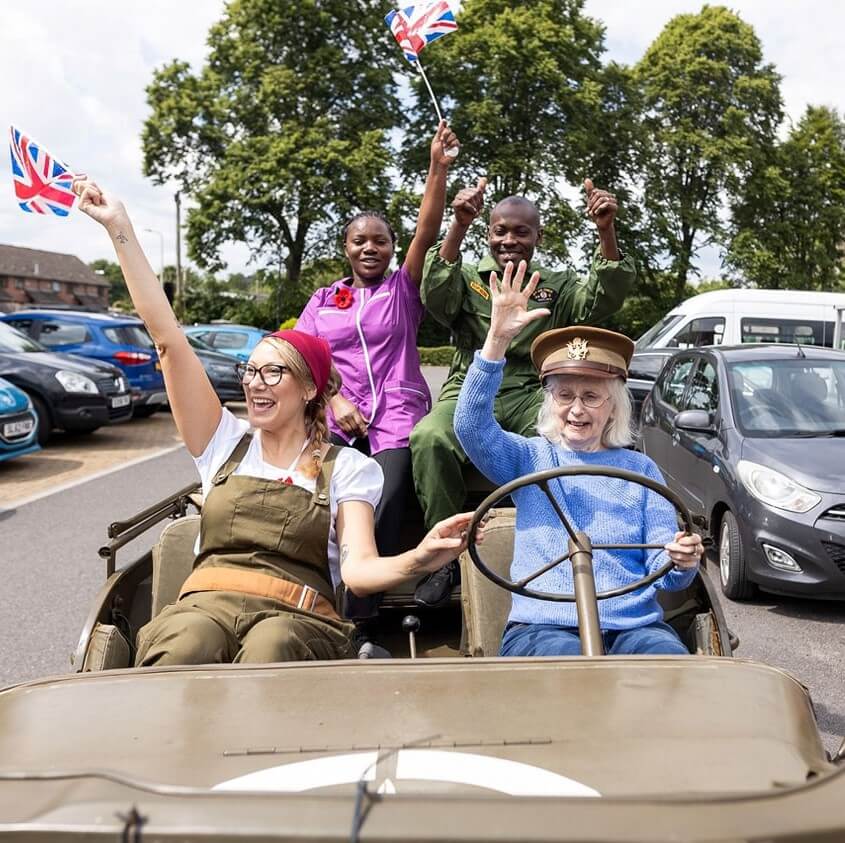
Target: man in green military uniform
(458, 296)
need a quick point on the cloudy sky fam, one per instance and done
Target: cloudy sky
(75, 73)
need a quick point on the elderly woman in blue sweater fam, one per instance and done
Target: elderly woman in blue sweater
(584, 420)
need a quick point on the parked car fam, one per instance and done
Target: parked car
(120, 340)
(220, 369)
(235, 340)
(645, 366)
(730, 317)
(18, 422)
(66, 391)
(753, 438)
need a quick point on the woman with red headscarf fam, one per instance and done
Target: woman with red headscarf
(287, 516)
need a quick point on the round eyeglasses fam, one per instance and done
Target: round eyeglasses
(591, 400)
(270, 373)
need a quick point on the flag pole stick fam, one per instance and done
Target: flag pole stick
(430, 92)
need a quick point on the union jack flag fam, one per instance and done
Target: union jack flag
(42, 182)
(414, 27)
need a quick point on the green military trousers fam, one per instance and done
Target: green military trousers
(439, 460)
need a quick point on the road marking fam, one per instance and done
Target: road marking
(17, 504)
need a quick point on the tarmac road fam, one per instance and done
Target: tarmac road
(51, 571)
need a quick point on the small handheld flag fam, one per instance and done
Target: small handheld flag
(415, 27)
(43, 184)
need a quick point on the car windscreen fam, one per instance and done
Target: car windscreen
(651, 336)
(13, 340)
(796, 396)
(129, 335)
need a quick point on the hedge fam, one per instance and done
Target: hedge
(439, 356)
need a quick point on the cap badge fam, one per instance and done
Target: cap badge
(576, 349)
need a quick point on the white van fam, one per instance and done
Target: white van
(731, 317)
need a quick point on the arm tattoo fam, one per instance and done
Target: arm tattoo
(121, 237)
(344, 553)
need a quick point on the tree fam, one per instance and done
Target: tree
(112, 272)
(521, 84)
(711, 111)
(281, 134)
(789, 224)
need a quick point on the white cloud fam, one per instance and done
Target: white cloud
(79, 69)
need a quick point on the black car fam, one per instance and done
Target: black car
(645, 366)
(220, 369)
(753, 438)
(68, 392)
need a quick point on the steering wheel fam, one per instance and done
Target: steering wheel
(579, 540)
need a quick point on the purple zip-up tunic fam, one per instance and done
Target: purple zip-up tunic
(374, 347)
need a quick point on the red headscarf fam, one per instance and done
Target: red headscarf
(315, 352)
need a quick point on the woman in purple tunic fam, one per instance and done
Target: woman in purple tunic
(371, 320)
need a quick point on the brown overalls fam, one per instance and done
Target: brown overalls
(260, 540)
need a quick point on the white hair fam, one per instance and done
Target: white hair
(617, 433)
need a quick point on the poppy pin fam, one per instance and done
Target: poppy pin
(342, 298)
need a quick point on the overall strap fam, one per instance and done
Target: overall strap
(234, 460)
(324, 478)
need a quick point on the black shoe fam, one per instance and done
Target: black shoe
(436, 588)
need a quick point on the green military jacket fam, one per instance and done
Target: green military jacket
(458, 296)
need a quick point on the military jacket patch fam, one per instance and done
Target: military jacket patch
(480, 289)
(544, 295)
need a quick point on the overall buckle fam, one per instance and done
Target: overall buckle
(305, 602)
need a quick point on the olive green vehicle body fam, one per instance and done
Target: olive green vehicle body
(457, 744)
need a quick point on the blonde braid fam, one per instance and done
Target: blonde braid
(315, 419)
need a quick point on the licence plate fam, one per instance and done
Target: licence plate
(18, 428)
(121, 400)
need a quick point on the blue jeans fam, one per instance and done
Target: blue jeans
(538, 639)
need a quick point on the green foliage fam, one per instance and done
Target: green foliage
(711, 111)
(114, 275)
(524, 85)
(789, 224)
(437, 356)
(288, 324)
(281, 134)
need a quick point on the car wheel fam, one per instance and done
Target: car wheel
(45, 425)
(732, 575)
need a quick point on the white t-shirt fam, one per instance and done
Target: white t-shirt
(355, 477)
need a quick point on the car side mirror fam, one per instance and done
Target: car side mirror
(695, 420)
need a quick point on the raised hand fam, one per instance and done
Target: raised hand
(469, 202)
(601, 206)
(100, 206)
(510, 313)
(444, 146)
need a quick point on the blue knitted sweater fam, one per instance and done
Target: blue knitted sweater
(609, 511)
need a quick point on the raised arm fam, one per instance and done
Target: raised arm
(193, 402)
(467, 205)
(434, 198)
(498, 454)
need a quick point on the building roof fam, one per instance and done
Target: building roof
(18, 262)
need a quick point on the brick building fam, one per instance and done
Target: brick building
(32, 277)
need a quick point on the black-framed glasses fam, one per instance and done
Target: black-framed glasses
(590, 399)
(270, 373)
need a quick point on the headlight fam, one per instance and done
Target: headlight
(776, 489)
(74, 382)
(122, 384)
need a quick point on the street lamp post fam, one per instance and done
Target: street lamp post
(161, 243)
